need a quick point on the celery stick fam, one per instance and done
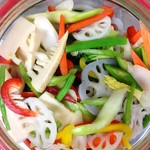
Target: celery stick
(105, 116)
(70, 16)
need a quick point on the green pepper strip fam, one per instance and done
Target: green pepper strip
(121, 75)
(127, 115)
(2, 105)
(96, 43)
(64, 90)
(27, 79)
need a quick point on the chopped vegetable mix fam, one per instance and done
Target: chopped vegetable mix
(75, 77)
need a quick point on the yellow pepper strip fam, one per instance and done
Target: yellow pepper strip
(66, 135)
(82, 64)
(122, 128)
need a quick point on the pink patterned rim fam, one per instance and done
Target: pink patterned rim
(5, 6)
(145, 3)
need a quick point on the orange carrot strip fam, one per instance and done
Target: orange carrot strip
(146, 42)
(51, 8)
(136, 37)
(61, 27)
(137, 60)
(80, 24)
(63, 62)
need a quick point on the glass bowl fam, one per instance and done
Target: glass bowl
(130, 11)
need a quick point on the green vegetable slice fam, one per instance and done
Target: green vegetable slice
(121, 75)
(2, 105)
(64, 90)
(27, 79)
(127, 115)
(105, 116)
(146, 120)
(96, 43)
(70, 16)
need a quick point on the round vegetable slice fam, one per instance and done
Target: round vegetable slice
(89, 89)
(96, 30)
(108, 141)
(45, 131)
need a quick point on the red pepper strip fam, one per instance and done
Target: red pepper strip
(28, 143)
(131, 31)
(133, 35)
(54, 90)
(14, 83)
(115, 122)
(51, 8)
(83, 123)
(4, 61)
(70, 64)
(28, 94)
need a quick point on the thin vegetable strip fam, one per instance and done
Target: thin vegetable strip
(66, 87)
(2, 105)
(27, 79)
(107, 12)
(108, 41)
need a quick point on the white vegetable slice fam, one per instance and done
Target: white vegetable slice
(45, 66)
(44, 122)
(48, 34)
(118, 22)
(65, 5)
(105, 141)
(79, 143)
(89, 89)
(61, 113)
(96, 30)
(20, 126)
(137, 122)
(142, 76)
(18, 37)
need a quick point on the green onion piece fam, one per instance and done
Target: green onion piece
(66, 87)
(2, 105)
(27, 79)
(96, 43)
(127, 115)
